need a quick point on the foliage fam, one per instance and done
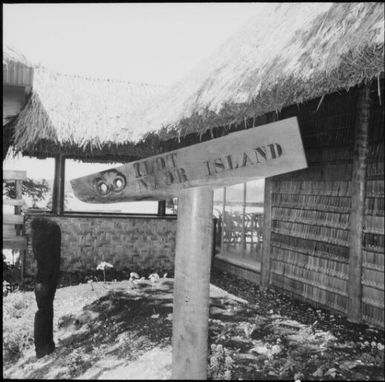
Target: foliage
(220, 363)
(35, 189)
(102, 266)
(172, 204)
(11, 275)
(18, 318)
(66, 201)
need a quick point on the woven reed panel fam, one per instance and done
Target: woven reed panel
(141, 245)
(373, 252)
(311, 207)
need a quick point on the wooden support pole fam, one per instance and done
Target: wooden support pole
(244, 219)
(58, 186)
(19, 195)
(223, 222)
(161, 208)
(358, 204)
(265, 263)
(191, 285)
(19, 229)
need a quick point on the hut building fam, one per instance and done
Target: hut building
(323, 227)
(17, 85)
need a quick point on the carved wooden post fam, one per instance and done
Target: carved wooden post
(358, 204)
(265, 264)
(58, 186)
(192, 281)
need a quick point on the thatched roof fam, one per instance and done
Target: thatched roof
(287, 54)
(79, 116)
(17, 70)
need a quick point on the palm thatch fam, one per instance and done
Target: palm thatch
(79, 116)
(17, 70)
(286, 54)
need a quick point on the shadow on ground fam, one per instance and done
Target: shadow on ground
(127, 332)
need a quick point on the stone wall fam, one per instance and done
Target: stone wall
(140, 244)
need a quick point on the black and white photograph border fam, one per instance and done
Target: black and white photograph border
(193, 191)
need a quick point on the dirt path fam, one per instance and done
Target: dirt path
(123, 331)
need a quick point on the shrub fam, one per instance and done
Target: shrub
(18, 317)
(220, 363)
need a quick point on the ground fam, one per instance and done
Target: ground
(123, 331)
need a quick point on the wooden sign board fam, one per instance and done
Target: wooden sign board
(258, 152)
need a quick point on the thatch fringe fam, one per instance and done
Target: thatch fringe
(292, 56)
(319, 202)
(372, 314)
(312, 216)
(332, 188)
(287, 54)
(311, 247)
(374, 242)
(311, 231)
(373, 260)
(375, 188)
(79, 115)
(311, 277)
(317, 264)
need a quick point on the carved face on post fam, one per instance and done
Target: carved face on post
(109, 181)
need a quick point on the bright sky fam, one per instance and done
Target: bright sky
(152, 43)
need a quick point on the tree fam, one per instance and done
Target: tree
(36, 190)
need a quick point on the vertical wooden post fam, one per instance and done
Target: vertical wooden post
(265, 264)
(161, 208)
(244, 219)
(19, 229)
(191, 285)
(58, 186)
(358, 204)
(19, 195)
(223, 222)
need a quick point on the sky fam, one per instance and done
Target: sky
(148, 43)
(152, 43)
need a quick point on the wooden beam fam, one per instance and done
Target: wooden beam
(13, 202)
(18, 242)
(58, 186)
(191, 286)
(11, 219)
(9, 231)
(356, 220)
(14, 175)
(161, 208)
(265, 263)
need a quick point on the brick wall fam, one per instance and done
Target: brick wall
(140, 244)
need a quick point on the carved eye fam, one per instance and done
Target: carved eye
(102, 187)
(119, 183)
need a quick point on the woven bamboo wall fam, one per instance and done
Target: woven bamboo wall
(373, 245)
(131, 244)
(310, 208)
